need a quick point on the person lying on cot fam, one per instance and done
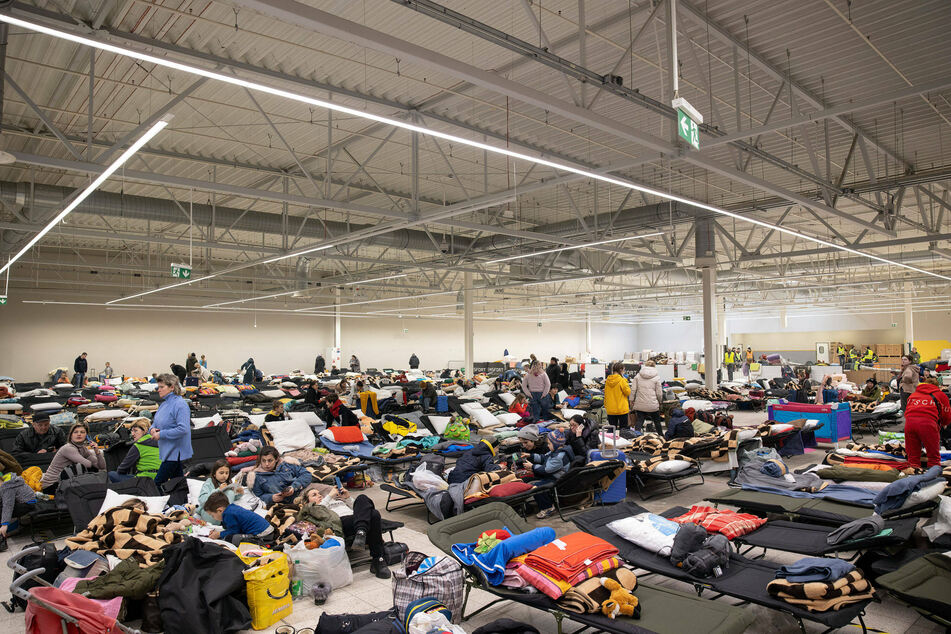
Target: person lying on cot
(478, 459)
(275, 480)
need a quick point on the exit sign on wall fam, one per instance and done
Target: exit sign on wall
(686, 317)
(181, 271)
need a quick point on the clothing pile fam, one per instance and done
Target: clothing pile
(819, 584)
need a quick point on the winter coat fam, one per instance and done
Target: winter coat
(321, 517)
(250, 371)
(646, 391)
(616, 393)
(127, 579)
(286, 474)
(179, 371)
(173, 420)
(319, 364)
(553, 370)
(553, 464)
(80, 365)
(354, 364)
(679, 426)
(479, 458)
(908, 378)
(202, 589)
(580, 444)
(928, 402)
(414, 362)
(190, 364)
(28, 441)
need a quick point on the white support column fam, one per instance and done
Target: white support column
(909, 321)
(587, 338)
(721, 328)
(711, 360)
(337, 345)
(469, 328)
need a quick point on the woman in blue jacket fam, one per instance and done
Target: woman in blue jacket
(172, 428)
(275, 480)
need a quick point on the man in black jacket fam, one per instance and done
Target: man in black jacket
(553, 371)
(413, 362)
(179, 371)
(319, 364)
(80, 366)
(40, 437)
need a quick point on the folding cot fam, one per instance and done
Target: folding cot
(580, 484)
(209, 444)
(744, 579)
(663, 610)
(815, 510)
(641, 479)
(924, 584)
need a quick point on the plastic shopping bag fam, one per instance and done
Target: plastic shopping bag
(327, 565)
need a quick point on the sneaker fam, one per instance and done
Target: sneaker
(359, 540)
(542, 514)
(379, 568)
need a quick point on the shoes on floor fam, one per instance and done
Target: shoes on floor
(542, 514)
(379, 568)
(359, 540)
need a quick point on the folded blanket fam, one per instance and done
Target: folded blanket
(857, 529)
(492, 563)
(810, 569)
(728, 523)
(554, 587)
(822, 596)
(565, 558)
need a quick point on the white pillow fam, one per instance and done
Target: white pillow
(59, 386)
(257, 419)
(440, 423)
(273, 393)
(108, 414)
(568, 413)
(154, 505)
(507, 397)
(228, 389)
(43, 407)
(291, 435)
(746, 434)
(194, 489)
(671, 466)
(290, 385)
(469, 408)
(779, 428)
(483, 418)
(508, 418)
(310, 418)
(10, 407)
(925, 493)
(198, 423)
(696, 404)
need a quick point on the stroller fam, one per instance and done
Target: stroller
(47, 604)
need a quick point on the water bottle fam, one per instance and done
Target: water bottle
(297, 585)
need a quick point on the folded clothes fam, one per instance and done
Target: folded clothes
(492, 563)
(554, 587)
(810, 569)
(565, 558)
(728, 523)
(857, 473)
(823, 596)
(894, 495)
(857, 529)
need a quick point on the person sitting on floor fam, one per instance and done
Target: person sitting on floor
(79, 454)
(238, 523)
(142, 458)
(548, 468)
(276, 480)
(520, 406)
(337, 413)
(478, 459)
(39, 437)
(277, 412)
(219, 480)
(361, 523)
(871, 393)
(679, 425)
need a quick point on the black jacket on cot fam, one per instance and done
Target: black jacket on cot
(477, 459)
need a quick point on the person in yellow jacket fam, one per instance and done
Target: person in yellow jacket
(840, 352)
(616, 393)
(869, 357)
(853, 358)
(729, 360)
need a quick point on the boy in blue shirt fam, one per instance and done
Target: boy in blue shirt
(238, 523)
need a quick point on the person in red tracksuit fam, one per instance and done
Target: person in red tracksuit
(928, 410)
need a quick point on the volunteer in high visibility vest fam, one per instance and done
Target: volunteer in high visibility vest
(853, 358)
(840, 352)
(927, 411)
(869, 357)
(729, 360)
(143, 457)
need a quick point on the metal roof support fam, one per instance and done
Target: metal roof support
(43, 117)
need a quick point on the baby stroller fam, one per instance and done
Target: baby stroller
(48, 606)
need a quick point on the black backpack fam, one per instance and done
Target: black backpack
(349, 623)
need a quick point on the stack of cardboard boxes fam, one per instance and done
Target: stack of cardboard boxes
(889, 354)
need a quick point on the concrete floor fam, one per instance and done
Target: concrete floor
(369, 594)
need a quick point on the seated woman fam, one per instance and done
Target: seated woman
(143, 456)
(13, 491)
(361, 522)
(277, 412)
(520, 406)
(478, 459)
(336, 413)
(551, 402)
(276, 480)
(77, 454)
(548, 468)
(311, 397)
(581, 435)
(219, 480)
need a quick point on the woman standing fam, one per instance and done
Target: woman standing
(171, 427)
(354, 363)
(647, 396)
(535, 386)
(907, 380)
(616, 394)
(249, 370)
(77, 451)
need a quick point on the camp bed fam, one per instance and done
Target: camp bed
(923, 584)
(815, 510)
(642, 480)
(744, 579)
(663, 610)
(578, 486)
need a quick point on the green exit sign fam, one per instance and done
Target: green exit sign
(3, 300)
(686, 317)
(181, 271)
(687, 129)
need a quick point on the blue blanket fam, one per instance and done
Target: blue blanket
(894, 495)
(493, 562)
(361, 450)
(836, 492)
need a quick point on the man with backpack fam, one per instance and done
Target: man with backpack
(927, 411)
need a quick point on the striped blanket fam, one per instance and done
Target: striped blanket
(123, 532)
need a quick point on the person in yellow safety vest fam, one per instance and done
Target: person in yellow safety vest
(729, 360)
(840, 352)
(869, 357)
(853, 358)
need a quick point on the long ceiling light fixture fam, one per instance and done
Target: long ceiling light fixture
(93, 186)
(337, 107)
(575, 246)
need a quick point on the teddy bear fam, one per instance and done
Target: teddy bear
(316, 541)
(620, 602)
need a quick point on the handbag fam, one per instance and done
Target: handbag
(443, 581)
(393, 552)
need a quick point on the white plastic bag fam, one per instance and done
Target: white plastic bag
(940, 523)
(426, 480)
(328, 565)
(424, 623)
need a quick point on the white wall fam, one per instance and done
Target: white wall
(39, 338)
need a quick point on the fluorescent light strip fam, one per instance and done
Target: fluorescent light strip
(377, 279)
(375, 301)
(576, 246)
(93, 186)
(406, 310)
(337, 107)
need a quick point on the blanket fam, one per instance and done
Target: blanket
(492, 563)
(821, 596)
(728, 523)
(123, 532)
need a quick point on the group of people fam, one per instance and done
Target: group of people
(734, 357)
(643, 396)
(194, 372)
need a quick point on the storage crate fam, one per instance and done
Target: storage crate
(835, 419)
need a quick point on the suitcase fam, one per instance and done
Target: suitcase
(442, 403)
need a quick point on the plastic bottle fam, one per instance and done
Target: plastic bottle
(297, 585)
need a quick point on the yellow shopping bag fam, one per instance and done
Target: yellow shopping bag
(754, 367)
(268, 586)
